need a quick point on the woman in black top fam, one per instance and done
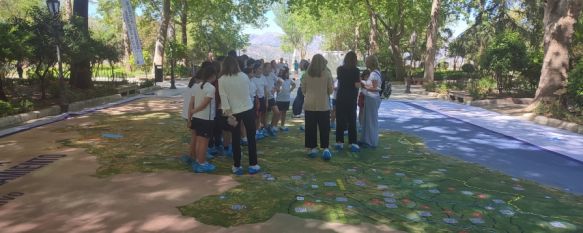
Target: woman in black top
(346, 97)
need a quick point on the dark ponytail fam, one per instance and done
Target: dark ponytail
(198, 74)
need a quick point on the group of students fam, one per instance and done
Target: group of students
(228, 101)
(227, 104)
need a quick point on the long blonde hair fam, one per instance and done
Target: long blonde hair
(372, 63)
(317, 66)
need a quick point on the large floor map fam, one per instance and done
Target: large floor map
(400, 184)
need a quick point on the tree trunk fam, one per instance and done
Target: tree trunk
(431, 42)
(162, 33)
(127, 50)
(2, 93)
(184, 29)
(81, 69)
(397, 57)
(374, 35)
(68, 9)
(356, 38)
(184, 22)
(559, 18)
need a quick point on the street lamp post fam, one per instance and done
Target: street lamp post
(54, 8)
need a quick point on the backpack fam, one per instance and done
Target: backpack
(386, 87)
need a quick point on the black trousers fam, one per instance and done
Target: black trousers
(216, 138)
(248, 119)
(346, 119)
(317, 120)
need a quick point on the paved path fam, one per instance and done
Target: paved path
(515, 147)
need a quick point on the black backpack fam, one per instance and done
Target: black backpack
(386, 86)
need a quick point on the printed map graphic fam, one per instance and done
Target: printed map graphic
(401, 184)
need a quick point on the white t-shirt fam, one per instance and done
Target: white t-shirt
(284, 94)
(207, 90)
(252, 91)
(374, 76)
(271, 79)
(234, 95)
(185, 104)
(260, 83)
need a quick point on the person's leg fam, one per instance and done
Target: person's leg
(324, 127)
(249, 122)
(236, 142)
(193, 144)
(201, 148)
(351, 124)
(282, 117)
(340, 124)
(275, 115)
(311, 130)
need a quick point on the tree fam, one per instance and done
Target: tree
(431, 41)
(81, 69)
(299, 31)
(162, 33)
(13, 47)
(560, 17)
(507, 53)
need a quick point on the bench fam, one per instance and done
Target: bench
(127, 89)
(459, 96)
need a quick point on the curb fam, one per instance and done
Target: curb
(55, 110)
(541, 120)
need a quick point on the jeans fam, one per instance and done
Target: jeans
(248, 119)
(317, 120)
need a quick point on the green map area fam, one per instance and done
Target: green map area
(400, 184)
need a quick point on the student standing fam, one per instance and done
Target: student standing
(234, 92)
(317, 87)
(261, 84)
(271, 80)
(346, 100)
(372, 102)
(202, 115)
(284, 88)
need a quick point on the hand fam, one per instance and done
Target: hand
(189, 124)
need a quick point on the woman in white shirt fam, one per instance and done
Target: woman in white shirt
(235, 102)
(372, 102)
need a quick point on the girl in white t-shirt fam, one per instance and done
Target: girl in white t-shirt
(284, 88)
(202, 114)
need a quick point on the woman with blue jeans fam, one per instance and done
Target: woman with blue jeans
(372, 102)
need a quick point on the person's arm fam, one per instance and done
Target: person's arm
(225, 105)
(303, 84)
(278, 85)
(330, 83)
(374, 86)
(190, 110)
(205, 102)
(293, 86)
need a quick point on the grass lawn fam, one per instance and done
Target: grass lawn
(400, 184)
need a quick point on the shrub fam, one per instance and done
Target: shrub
(147, 83)
(575, 86)
(481, 88)
(468, 68)
(430, 86)
(5, 108)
